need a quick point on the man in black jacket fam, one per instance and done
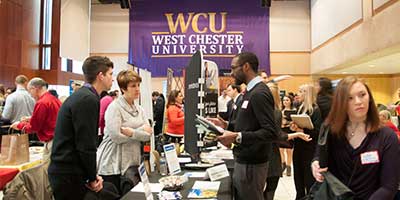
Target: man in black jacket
(234, 104)
(72, 170)
(254, 130)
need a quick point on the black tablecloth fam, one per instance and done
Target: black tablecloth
(224, 192)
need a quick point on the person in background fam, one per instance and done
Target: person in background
(397, 109)
(43, 119)
(385, 119)
(223, 105)
(126, 126)
(324, 95)
(264, 76)
(75, 86)
(233, 105)
(175, 117)
(2, 98)
(286, 148)
(53, 92)
(72, 171)
(361, 154)
(158, 111)
(303, 151)
(20, 103)
(104, 103)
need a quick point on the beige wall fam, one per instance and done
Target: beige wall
(373, 34)
(75, 29)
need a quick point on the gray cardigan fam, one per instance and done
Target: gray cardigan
(117, 152)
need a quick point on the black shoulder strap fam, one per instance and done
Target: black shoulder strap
(323, 146)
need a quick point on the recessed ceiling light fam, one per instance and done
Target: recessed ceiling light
(371, 66)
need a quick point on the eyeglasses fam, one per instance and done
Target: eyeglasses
(233, 67)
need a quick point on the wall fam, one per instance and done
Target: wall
(330, 17)
(373, 34)
(75, 29)
(19, 39)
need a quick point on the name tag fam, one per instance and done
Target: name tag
(234, 107)
(370, 157)
(244, 104)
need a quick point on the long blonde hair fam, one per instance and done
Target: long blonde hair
(309, 99)
(275, 94)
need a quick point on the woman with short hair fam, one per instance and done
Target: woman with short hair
(126, 126)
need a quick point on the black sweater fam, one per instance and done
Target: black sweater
(256, 122)
(75, 137)
(374, 181)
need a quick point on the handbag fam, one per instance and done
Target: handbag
(331, 188)
(14, 148)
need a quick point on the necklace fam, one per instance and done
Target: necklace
(352, 129)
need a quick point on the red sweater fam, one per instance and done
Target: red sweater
(44, 116)
(176, 121)
(394, 128)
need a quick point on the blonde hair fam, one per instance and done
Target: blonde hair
(385, 113)
(275, 94)
(309, 99)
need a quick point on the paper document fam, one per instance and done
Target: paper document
(195, 174)
(204, 189)
(154, 187)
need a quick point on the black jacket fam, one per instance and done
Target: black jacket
(232, 112)
(75, 137)
(324, 103)
(256, 122)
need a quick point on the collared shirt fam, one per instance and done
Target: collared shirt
(88, 85)
(253, 82)
(44, 116)
(18, 104)
(236, 97)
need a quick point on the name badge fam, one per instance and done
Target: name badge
(370, 157)
(244, 104)
(234, 107)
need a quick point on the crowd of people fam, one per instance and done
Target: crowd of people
(93, 140)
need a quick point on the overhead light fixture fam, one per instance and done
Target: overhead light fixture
(344, 72)
(371, 66)
(380, 72)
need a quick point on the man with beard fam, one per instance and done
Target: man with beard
(254, 130)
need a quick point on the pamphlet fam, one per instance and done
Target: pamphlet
(204, 189)
(145, 181)
(172, 159)
(209, 125)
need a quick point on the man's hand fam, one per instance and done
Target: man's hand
(218, 122)
(127, 131)
(96, 185)
(14, 125)
(227, 138)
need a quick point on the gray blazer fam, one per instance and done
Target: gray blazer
(117, 152)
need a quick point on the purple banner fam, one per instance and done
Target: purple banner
(166, 33)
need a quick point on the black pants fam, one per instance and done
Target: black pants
(73, 187)
(272, 184)
(66, 186)
(303, 179)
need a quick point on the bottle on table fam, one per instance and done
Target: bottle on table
(163, 165)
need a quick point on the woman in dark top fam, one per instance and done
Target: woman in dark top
(362, 154)
(303, 151)
(275, 167)
(324, 96)
(286, 147)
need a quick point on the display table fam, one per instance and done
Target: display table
(6, 175)
(224, 192)
(8, 172)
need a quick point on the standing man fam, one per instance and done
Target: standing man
(72, 169)
(19, 103)
(255, 129)
(234, 104)
(43, 119)
(158, 111)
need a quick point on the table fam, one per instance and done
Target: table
(224, 192)
(8, 172)
(6, 175)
